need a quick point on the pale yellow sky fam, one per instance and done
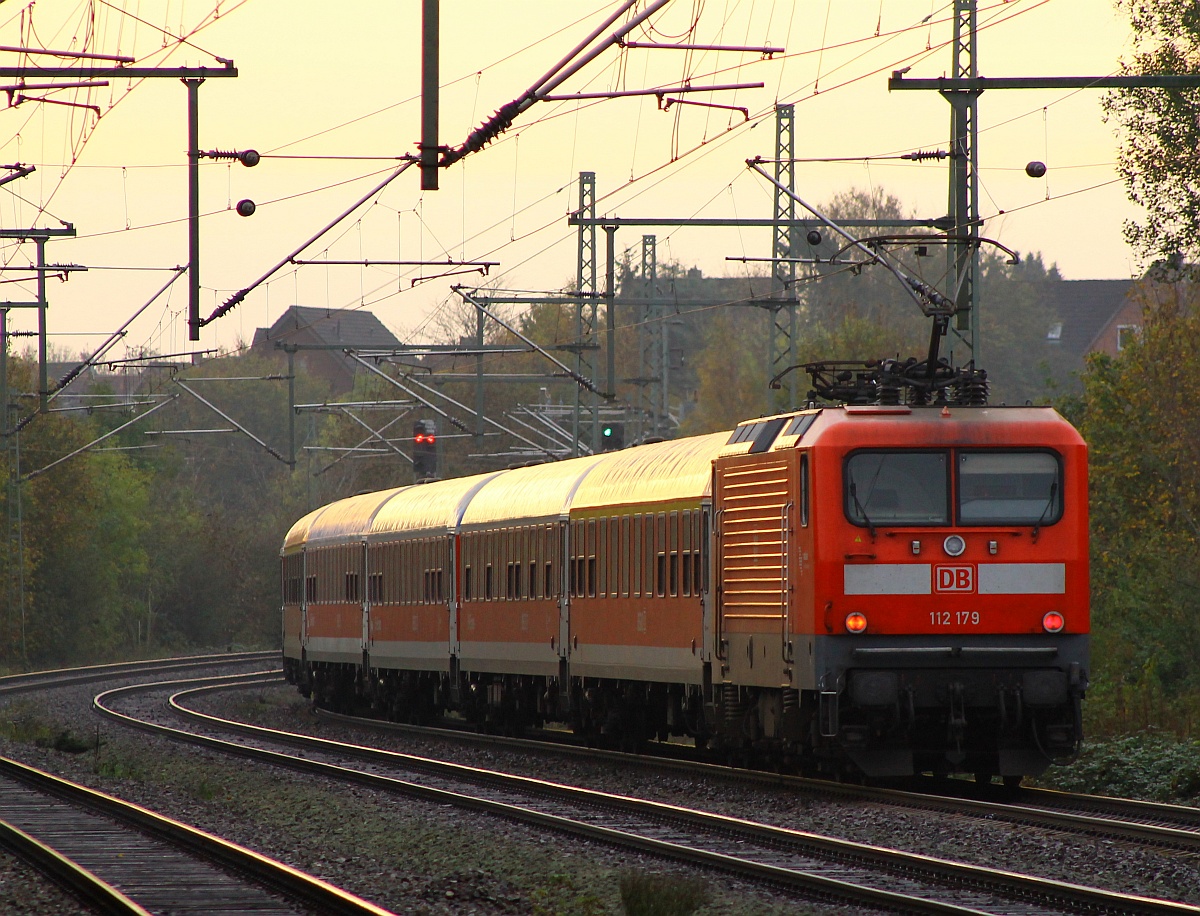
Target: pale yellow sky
(316, 83)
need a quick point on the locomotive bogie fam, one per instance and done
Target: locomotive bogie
(892, 589)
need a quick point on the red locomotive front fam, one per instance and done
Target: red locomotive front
(938, 606)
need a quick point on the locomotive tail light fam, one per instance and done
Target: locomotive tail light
(954, 545)
(1053, 622)
(856, 622)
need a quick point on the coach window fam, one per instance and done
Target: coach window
(572, 559)
(648, 563)
(579, 549)
(528, 559)
(601, 559)
(623, 552)
(614, 556)
(402, 568)
(420, 592)
(431, 559)
(495, 558)
(1009, 488)
(660, 545)
(673, 547)
(381, 571)
(488, 583)
(897, 488)
(591, 558)
(515, 553)
(686, 551)
(699, 521)
(635, 555)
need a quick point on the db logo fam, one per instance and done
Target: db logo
(954, 578)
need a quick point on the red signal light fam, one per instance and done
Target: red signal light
(1053, 622)
(856, 622)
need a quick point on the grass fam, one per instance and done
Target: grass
(646, 894)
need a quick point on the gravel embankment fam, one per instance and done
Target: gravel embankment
(405, 855)
(417, 858)
(1122, 867)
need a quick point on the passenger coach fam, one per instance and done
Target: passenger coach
(897, 589)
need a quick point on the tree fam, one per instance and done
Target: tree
(1012, 327)
(1138, 414)
(1161, 130)
(82, 539)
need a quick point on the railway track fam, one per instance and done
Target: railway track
(91, 674)
(814, 866)
(1127, 820)
(120, 858)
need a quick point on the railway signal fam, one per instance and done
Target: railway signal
(425, 458)
(612, 437)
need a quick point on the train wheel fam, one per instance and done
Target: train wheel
(983, 779)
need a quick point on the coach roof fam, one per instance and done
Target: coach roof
(429, 508)
(542, 492)
(348, 519)
(680, 469)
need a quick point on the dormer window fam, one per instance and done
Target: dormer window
(1054, 335)
(1125, 334)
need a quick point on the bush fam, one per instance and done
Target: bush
(1154, 767)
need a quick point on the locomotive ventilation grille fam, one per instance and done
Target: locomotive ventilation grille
(753, 537)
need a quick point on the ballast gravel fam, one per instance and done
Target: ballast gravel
(414, 857)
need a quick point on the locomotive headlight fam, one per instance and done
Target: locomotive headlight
(856, 622)
(1053, 622)
(954, 545)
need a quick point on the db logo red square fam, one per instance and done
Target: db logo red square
(954, 578)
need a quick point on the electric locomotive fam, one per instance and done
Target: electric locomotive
(888, 587)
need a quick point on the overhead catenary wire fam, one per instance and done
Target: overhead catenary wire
(514, 237)
(241, 294)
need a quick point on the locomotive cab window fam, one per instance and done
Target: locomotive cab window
(897, 488)
(1009, 488)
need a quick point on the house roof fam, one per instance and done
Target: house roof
(325, 333)
(336, 327)
(1084, 307)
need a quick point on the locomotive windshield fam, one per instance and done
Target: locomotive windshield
(897, 488)
(909, 487)
(1008, 488)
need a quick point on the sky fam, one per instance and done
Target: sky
(329, 95)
